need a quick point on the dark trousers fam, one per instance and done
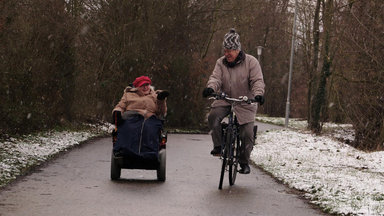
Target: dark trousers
(216, 115)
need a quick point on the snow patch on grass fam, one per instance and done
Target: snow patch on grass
(17, 155)
(333, 175)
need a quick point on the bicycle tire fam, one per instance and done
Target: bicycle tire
(229, 144)
(223, 166)
(235, 161)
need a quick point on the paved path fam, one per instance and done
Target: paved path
(77, 183)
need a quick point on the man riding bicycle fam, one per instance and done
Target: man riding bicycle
(236, 74)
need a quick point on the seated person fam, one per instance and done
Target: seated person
(138, 117)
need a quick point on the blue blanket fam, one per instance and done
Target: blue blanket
(139, 138)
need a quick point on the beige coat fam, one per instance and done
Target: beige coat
(147, 105)
(245, 79)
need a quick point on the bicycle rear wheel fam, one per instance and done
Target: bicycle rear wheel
(223, 166)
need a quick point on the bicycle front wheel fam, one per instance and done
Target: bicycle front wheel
(223, 166)
(235, 154)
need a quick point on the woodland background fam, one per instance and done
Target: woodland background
(67, 61)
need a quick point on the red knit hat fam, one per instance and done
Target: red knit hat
(139, 81)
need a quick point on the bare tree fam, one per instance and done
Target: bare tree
(38, 65)
(359, 71)
(320, 96)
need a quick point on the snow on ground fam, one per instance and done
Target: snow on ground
(337, 177)
(18, 155)
(334, 175)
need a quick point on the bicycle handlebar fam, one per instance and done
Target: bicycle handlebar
(223, 96)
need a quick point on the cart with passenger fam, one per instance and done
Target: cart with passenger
(139, 143)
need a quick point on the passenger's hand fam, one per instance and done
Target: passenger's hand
(162, 95)
(117, 118)
(207, 92)
(260, 99)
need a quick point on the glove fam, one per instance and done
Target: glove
(260, 99)
(207, 92)
(162, 95)
(116, 116)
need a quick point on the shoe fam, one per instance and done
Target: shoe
(245, 169)
(216, 151)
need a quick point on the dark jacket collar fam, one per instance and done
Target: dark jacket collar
(240, 58)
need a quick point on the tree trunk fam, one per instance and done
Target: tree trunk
(315, 56)
(320, 97)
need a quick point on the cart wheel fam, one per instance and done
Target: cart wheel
(161, 168)
(115, 169)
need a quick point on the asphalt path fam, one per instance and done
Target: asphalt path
(78, 183)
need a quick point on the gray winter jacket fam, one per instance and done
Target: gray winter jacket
(245, 79)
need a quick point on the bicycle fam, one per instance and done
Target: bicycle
(230, 147)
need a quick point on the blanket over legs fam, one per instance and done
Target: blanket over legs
(139, 138)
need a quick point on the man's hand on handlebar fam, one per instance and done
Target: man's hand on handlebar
(207, 92)
(260, 99)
